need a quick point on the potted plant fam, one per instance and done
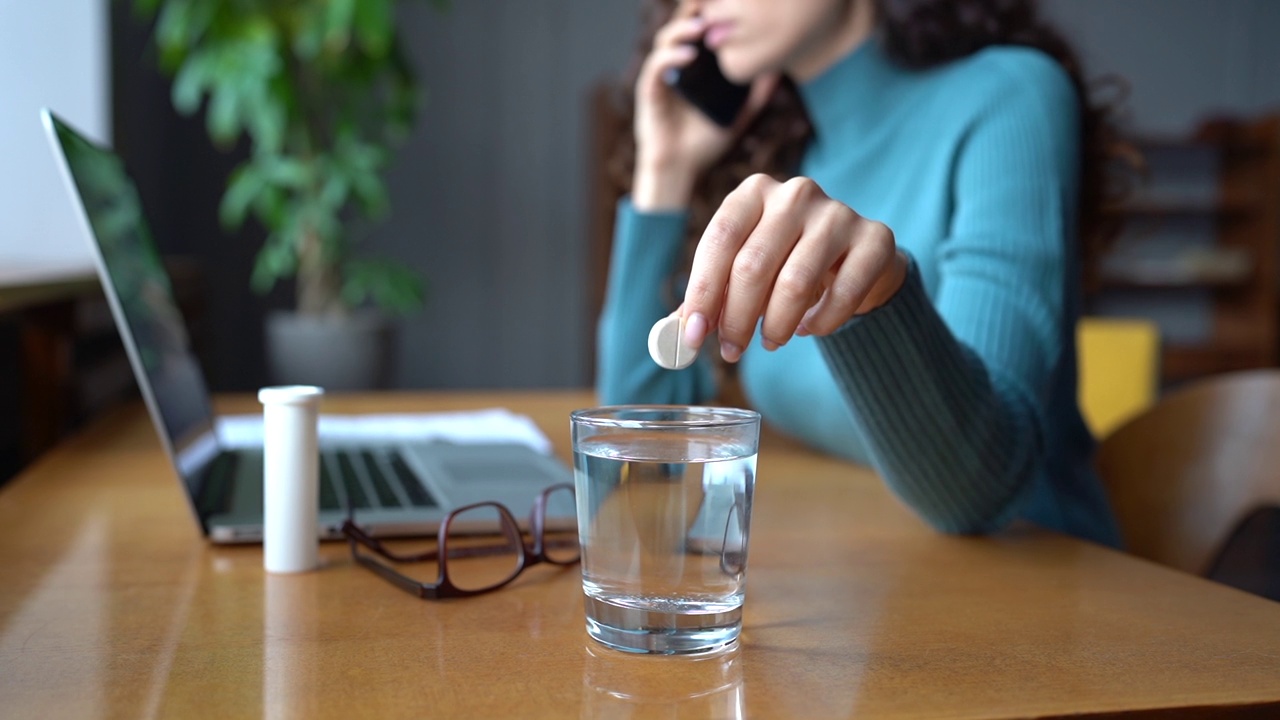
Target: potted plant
(322, 90)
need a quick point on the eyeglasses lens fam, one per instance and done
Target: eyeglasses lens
(561, 532)
(484, 548)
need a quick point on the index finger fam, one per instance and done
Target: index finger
(686, 8)
(713, 259)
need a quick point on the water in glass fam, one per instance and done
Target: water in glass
(664, 539)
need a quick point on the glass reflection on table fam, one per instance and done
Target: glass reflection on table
(621, 685)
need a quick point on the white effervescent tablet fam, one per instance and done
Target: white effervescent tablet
(667, 346)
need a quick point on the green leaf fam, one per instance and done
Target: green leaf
(308, 37)
(258, 30)
(243, 188)
(393, 287)
(190, 82)
(374, 26)
(337, 23)
(371, 191)
(169, 32)
(266, 122)
(285, 171)
(271, 207)
(404, 97)
(223, 115)
(276, 260)
(146, 8)
(325, 221)
(336, 189)
(181, 26)
(174, 24)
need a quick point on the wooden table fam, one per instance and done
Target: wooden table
(112, 605)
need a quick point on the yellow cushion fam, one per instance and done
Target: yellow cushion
(1119, 370)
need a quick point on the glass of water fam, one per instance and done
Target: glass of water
(664, 512)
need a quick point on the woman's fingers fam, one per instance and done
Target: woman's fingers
(787, 253)
(756, 271)
(661, 61)
(686, 9)
(680, 31)
(713, 259)
(870, 255)
(808, 272)
(672, 48)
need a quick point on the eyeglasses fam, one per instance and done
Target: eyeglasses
(479, 548)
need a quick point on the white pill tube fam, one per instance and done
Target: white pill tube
(290, 482)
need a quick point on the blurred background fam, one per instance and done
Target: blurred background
(494, 196)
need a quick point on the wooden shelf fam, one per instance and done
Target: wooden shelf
(1178, 363)
(1240, 269)
(1217, 268)
(1216, 136)
(1204, 283)
(1158, 207)
(1234, 346)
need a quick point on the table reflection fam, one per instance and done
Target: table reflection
(289, 628)
(622, 685)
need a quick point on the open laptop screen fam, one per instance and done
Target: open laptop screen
(141, 297)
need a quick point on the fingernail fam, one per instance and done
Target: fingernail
(695, 330)
(769, 344)
(801, 330)
(730, 352)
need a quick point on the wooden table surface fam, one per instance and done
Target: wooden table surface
(112, 605)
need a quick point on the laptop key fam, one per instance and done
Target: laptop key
(355, 491)
(418, 494)
(328, 493)
(386, 495)
(350, 482)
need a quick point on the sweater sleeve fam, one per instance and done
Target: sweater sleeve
(950, 395)
(646, 248)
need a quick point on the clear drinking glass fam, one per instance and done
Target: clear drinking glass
(664, 512)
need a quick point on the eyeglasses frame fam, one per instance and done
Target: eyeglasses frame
(444, 587)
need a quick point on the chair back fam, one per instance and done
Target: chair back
(1181, 475)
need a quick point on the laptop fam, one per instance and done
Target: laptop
(396, 487)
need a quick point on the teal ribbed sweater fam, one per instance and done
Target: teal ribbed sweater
(961, 390)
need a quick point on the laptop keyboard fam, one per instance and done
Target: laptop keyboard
(370, 480)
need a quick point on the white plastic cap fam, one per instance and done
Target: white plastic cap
(290, 394)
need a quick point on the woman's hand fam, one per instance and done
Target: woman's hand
(790, 254)
(675, 142)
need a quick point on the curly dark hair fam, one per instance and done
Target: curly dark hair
(916, 34)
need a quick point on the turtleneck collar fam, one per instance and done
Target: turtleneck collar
(844, 96)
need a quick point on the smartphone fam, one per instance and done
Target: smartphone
(706, 88)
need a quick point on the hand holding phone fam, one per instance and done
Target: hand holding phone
(706, 88)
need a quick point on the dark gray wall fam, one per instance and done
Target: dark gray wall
(1184, 59)
(489, 195)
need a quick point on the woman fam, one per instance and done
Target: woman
(907, 294)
